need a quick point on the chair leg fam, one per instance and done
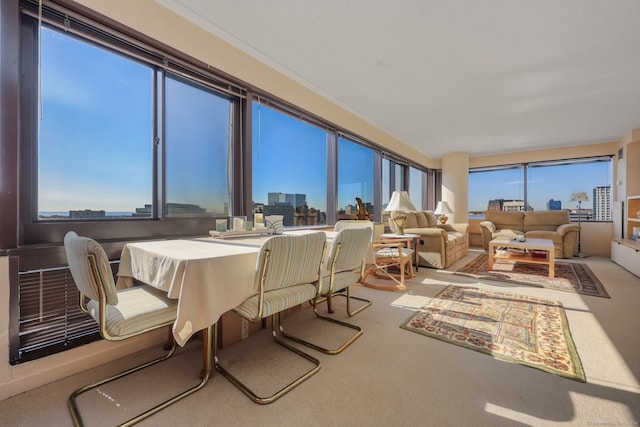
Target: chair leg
(206, 373)
(347, 294)
(263, 400)
(340, 349)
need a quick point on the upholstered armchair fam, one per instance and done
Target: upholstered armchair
(439, 245)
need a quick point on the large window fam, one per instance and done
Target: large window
(355, 178)
(289, 167)
(417, 191)
(96, 131)
(393, 178)
(544, 186)
(108, 138)
(488, 189)
(120, 140)
(198, 142)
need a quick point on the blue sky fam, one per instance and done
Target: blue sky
(78, 147)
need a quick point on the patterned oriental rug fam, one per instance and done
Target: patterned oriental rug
(519, 329)
(569, 276)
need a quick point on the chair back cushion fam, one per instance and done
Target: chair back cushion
(352, 223)
(293, 260)
(349, 249)
(78, 250)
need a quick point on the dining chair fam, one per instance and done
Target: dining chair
(120, 314)
(346, 292)
(345, 266)
(392, 258)
(288, 272)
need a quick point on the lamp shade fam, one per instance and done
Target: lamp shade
(579, 197)
(442, 208)
(400, 202)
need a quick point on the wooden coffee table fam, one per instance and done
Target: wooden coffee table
(524, 254)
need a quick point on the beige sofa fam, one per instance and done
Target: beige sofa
(552, 225)
(439, 245)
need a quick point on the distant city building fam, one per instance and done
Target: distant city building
(602, 203)
(280, 208)
(273, 198)
(507, 205)
(554, 205)
(184, 209)
(87, 214)
(143, 212)
(173, 209)
(293, 208)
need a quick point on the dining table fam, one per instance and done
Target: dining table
(208, 276)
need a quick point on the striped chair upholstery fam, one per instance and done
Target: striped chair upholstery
(347, 254)
(121, 314)
(126, 312)
(346, 258)
(287, 273)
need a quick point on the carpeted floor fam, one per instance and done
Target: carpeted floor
(520, 329)
(569, 276)
(388, 377)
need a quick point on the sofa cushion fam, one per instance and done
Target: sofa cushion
(545, 220)
(421, 218)
(432, 221)
(555, 237)
(411, 221)
(506, 220)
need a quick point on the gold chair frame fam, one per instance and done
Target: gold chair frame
(104, 332)
(339, 244)
(265, 256)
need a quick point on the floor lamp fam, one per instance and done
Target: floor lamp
(579, 197)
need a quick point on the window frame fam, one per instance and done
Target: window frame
(527, 166)
(36, 231)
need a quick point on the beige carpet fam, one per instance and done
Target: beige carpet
(390, 376)
(571, 276)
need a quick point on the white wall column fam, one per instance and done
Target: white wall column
(455, 185)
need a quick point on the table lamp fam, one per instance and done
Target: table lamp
(398, 205)
(443, 209)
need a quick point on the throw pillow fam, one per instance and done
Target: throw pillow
(275, 223)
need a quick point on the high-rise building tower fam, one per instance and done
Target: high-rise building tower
(554, 205)
(602, 203)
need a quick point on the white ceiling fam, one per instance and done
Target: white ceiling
(481, 76)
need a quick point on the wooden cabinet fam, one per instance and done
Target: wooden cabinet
(632, 216)
(626, 252)
(626, 256)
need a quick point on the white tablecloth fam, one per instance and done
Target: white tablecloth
(207, 276)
